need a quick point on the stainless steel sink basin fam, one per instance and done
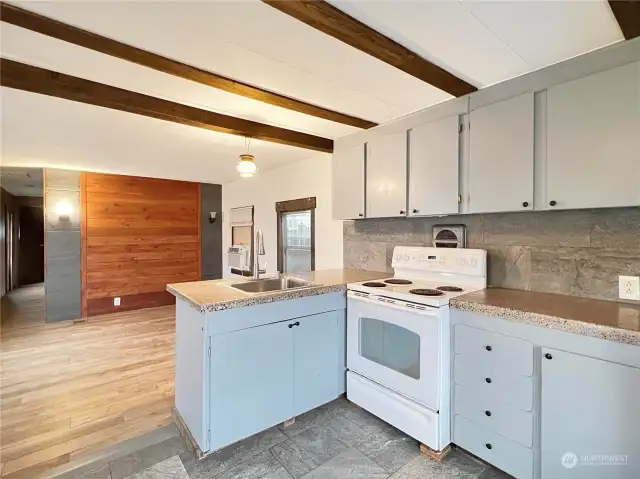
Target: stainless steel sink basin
(272, 284)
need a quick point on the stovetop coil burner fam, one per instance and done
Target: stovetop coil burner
(374, 284)
(397, 281)
(426, 292)
(453, 289)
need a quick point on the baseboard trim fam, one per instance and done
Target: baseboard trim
(129, 302)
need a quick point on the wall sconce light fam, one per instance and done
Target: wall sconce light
(64, 210)
(212, 217)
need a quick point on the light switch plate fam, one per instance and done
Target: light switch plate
(116, 301)
(629, 287)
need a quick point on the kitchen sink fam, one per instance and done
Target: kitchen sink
(272, 284)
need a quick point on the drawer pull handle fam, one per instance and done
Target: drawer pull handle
(548, 356)
(488, 446)
(488, 380)
(488, 413)
(488, 348)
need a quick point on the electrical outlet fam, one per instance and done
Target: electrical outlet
(629, 287)
(116, 301)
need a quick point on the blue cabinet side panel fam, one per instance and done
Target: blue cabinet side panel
(190, 377)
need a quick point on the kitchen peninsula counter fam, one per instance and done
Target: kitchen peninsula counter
(218, 295)
(612, 320)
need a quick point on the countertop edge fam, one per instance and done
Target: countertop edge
(253, 300)
(568, 325)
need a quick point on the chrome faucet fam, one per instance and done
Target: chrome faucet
(257, 252)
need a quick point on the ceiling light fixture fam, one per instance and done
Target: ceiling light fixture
(247, 166)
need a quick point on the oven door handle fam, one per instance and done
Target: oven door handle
(380, 301)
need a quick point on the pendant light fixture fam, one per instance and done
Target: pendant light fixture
(247, 166)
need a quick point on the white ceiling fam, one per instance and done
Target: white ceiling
(21, 181)
(483, 42)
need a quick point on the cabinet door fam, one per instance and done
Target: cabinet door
(387, 176)
(501, 156)
(433, 168)
(251, 381)
(348, 182)
(317, 361)
(593, 140)
(589, 408)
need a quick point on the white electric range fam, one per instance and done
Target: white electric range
(398, 338)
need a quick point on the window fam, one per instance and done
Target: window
(296, 231)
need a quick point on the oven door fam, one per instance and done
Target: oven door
(395, 346)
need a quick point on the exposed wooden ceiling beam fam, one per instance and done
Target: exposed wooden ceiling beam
(77, 36)
(46, 82)
(627, 13)
(328, 19)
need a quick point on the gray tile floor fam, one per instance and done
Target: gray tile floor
(334, 441)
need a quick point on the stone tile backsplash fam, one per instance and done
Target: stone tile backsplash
(576, 252)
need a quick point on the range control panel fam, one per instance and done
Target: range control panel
(472, 262)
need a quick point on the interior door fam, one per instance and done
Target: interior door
(433, 168)
(316, 358)
(387, 175)
(395, 347)
(501, 156)
(251, 381)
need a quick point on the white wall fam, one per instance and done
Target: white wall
(298, 179)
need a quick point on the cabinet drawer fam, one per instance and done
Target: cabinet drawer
(499, 417)
(494, 381)
(510, 353)
(497, 450)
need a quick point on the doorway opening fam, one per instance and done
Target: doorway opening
(23, 236)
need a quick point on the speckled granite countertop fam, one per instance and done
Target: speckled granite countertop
(590, 317)
(216, 295)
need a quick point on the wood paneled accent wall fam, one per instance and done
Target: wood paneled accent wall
(139, 235)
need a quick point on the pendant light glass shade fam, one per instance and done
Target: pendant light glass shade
(246, 166)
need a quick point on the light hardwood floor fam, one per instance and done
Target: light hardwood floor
(23, 307)
(69, 389)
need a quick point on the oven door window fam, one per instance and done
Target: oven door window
(390, 345)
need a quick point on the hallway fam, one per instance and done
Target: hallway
(23, 307)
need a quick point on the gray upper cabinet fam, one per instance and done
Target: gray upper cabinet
(348, 182)
(501, 156)
(589, 412)
(387, 175)
(433, 168)
(593, 141)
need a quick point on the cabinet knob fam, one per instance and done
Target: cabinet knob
(552, 203)
(361, 214)
(402, 212)
(488, 348)
(290, 326)
(525, 204)
(488, 380)
(297, 323)
(488, 413)
(548, 356)
(488, 446)
(415, 210)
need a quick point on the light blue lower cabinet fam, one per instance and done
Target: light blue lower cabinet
(316, 359)
(545, 404)
(251, 386)
(590, 417)
(244, 370)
